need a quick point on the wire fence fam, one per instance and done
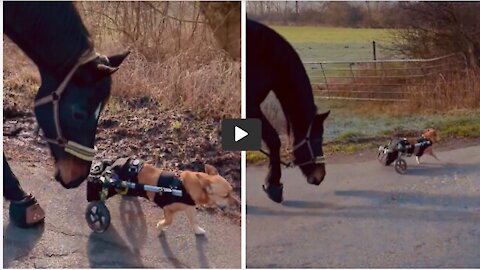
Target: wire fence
(381, 80)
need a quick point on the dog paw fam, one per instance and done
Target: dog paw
(160, 225)
(199, 231)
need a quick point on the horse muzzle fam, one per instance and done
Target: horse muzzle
(72, 184)
(71, 172)
(318, 175)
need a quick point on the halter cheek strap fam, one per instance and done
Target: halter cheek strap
(314, 159)
(71, 147)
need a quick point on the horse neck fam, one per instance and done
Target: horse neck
(301, 122)
(296, 97)
(51, 34)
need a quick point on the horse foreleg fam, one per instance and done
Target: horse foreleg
(24, 210)
(12, 190)
(272, 140)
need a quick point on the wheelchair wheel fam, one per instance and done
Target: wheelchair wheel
(97, 216)
(401, 166)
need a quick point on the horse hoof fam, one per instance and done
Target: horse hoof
(26, 213)
(274, 192)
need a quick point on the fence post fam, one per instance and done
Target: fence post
(324, 76)
(374, 47)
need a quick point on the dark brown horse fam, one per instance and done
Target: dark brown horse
(75, 87)
(273, 65)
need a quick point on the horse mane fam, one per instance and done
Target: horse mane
(52, 34)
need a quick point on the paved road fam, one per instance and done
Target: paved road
(65, 240)
(366, 215)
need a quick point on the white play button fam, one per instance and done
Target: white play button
(240, 134)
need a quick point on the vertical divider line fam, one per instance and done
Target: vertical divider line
(243, 173)
(1, 113)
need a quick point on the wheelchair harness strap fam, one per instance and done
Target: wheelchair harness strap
(170, 181)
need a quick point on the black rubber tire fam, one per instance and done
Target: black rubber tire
(400, 166)
(97, 216)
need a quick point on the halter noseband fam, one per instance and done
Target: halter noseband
(71, 147)
(307, 140)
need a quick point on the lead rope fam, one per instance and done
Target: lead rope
(71, 147)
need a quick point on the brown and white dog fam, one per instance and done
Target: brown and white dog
(429, 134)
(208, 188)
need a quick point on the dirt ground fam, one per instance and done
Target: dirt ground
(170, 139)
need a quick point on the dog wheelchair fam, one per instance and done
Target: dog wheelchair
(106, 180)
(399, 148)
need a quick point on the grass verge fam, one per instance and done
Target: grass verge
(349, 142)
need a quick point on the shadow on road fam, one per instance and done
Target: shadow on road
(439, 169)
(201, 242)
(133, 222)
(386, 205)
(176, 263)
(305, 204)
(18, 242)
(107, 250)
(416, 198)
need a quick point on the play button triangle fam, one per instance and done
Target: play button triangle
(240, 134)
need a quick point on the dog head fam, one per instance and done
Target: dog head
(209, 188)
(431, 134)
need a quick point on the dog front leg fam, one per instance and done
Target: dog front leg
(433, 155)
(418, 159)
(190, 213)
(429, 151)
(167, 220)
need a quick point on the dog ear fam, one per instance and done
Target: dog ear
(204, 183)
(210, 170)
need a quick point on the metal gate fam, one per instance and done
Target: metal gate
(380, 80)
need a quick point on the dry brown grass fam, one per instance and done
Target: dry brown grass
(403, 89)
(209, 87)
(459, 91)
(175, 60)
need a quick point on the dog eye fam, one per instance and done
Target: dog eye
(226, 196)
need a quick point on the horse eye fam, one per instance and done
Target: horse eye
(80, 116)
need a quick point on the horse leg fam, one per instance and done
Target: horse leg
(24, 209)
(271, 139)
(272, 186)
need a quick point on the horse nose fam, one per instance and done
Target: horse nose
(72, 184)
(315, 180)
(71, 172)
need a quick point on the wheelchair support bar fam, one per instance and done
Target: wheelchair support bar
(130, 185)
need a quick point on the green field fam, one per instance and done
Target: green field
(335, 43)
(354, 117)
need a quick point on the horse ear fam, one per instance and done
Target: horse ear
(116, 60)
(322, 116)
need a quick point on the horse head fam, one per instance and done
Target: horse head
(67, 109)
(308, 152)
